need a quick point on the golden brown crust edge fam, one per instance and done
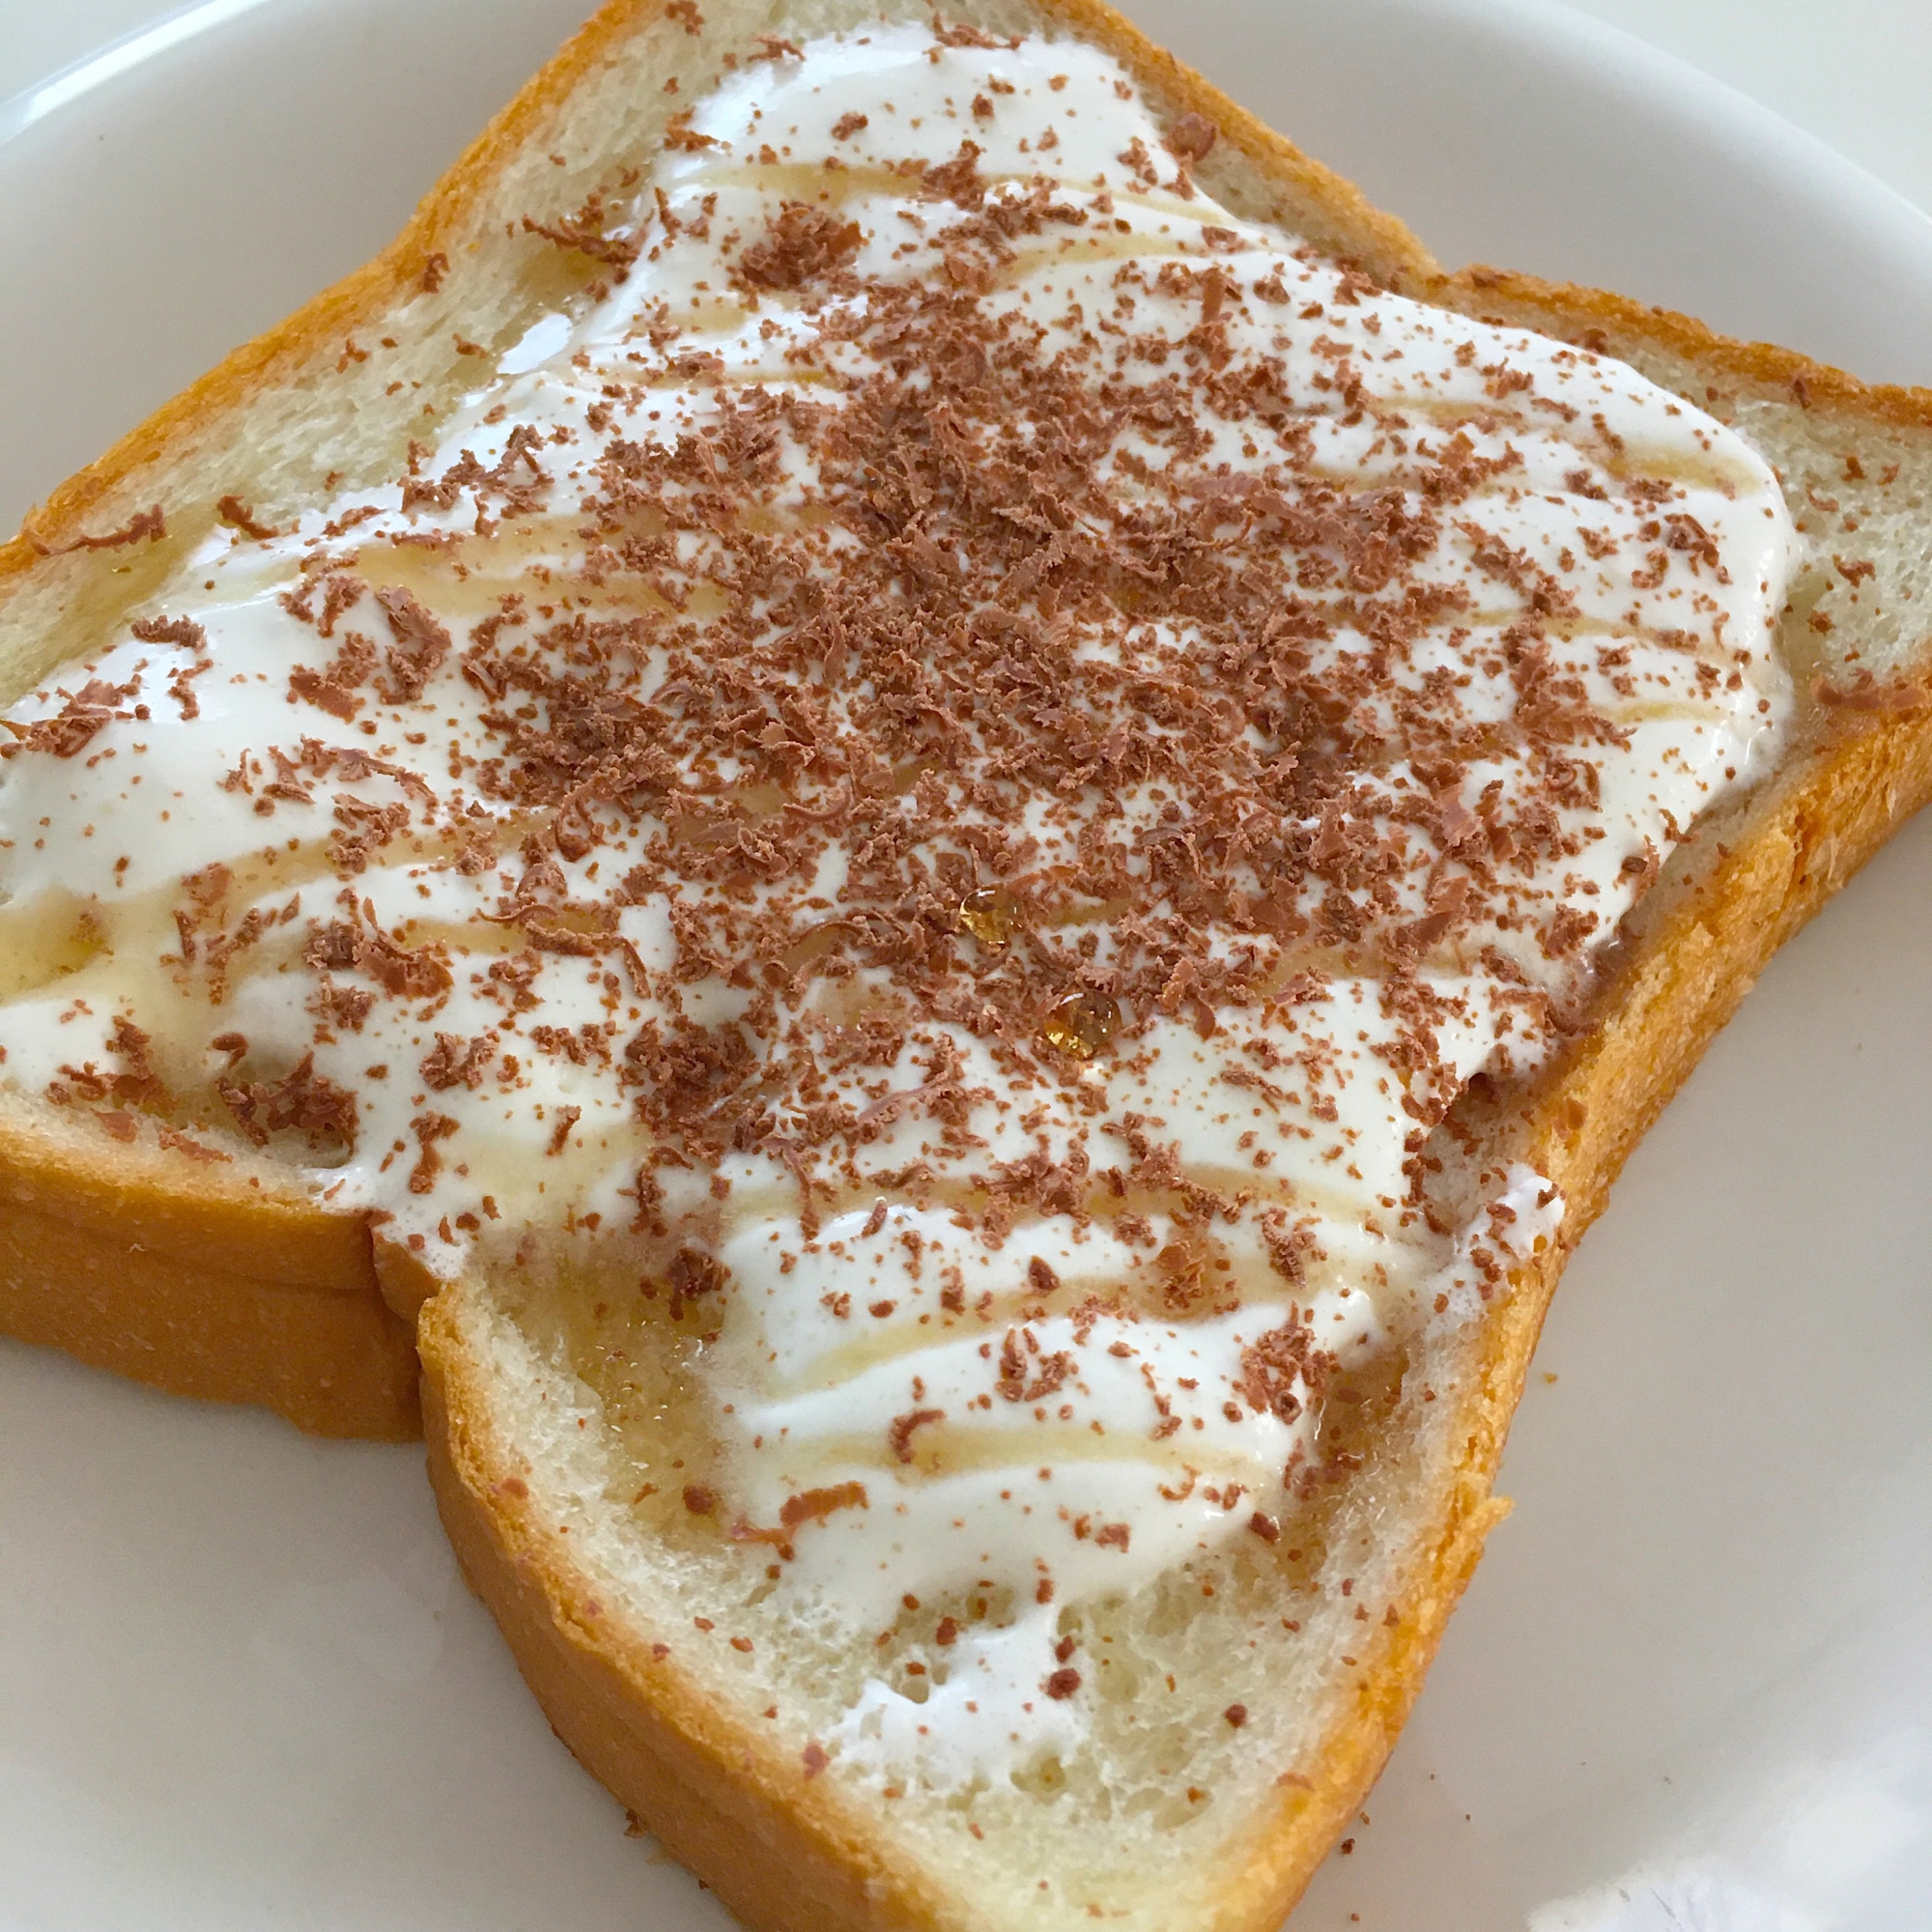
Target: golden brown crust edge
(1617, 325)
(201, 1284)
(333, 1364)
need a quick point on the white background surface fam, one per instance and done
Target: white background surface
(1858, 73)
(1692, 1688)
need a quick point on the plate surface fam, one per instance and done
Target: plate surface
(1691, 1689)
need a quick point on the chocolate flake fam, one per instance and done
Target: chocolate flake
(801, 244)
(301, 1101)
(149, 522)
(232, 510)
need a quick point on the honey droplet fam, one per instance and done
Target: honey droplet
(1082, 1024)
(989, 915)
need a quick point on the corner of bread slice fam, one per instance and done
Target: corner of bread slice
(1227, 1755)
(186, 1261)
(1853, 459)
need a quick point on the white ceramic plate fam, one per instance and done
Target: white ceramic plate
(1690, 1690)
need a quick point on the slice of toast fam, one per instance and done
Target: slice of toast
(705, 1701)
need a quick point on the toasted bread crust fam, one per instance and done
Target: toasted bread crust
(181, 1277)
(333, 1364)
(1627, 326)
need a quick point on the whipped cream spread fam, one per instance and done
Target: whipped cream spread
(962, 758)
